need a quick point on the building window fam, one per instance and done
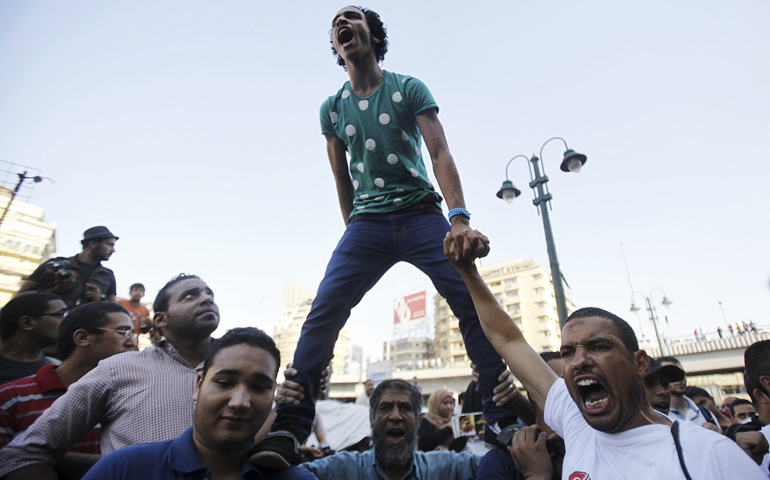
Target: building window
(514, 307)
(544, 333)
(511, 281)
(537, 276)
(539, 290)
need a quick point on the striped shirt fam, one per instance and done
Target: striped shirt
(137, 397)
(23, 401)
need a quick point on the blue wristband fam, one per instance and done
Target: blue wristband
(459, 211)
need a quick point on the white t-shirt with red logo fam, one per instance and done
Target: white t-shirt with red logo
(644, 452)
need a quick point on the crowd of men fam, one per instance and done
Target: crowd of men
(190, 406)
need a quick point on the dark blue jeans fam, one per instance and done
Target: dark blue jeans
(371, 245)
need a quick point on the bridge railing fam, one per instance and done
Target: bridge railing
(679, 347)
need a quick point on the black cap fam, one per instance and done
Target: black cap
(670, 372)
(97, 233)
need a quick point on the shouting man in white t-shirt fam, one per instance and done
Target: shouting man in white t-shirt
(600, 408)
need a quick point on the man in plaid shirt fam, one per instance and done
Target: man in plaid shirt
(120, 391)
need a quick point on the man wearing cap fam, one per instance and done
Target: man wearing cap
(81, 278)
(682, 407)
(656, 384)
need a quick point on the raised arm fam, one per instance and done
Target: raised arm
(501, 331)
(449, 181)
(335, 148)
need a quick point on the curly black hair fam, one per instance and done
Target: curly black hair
(378, 31)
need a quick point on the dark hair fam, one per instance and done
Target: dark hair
(242, 335)
(740, 401)
(693, 392)
(626, 333)
(31, 304)
(136, 285)
(756, 358)
(548, 356)
(376, 28)
(88, 316)
(395, 384)
(161, 300)
(669, 360)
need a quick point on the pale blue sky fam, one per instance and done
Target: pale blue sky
(190, 128)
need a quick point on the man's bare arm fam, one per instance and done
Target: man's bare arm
(501, 331)
(335, 149)
(449, 181)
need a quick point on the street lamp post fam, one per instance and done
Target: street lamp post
(572, 162)
(649, 301)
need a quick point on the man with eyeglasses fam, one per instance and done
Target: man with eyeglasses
(28, 324)
(89, 334)
(119, 392)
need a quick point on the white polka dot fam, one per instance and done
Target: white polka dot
(355, 184)
(380, 198)
(413, 172)
(417, 150)
(384, 119)
(360, 208)
(335, 117)
(363, 104)
(397, 201)
(345, 94)
(364, 196)
(360, 167)
(400, 190)
(404, 136)
(397, 97)
(350, 130)
(379, 182)
(392, 159)
(370, 144)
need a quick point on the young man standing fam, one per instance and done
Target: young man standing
(392, 213)
(233, 395)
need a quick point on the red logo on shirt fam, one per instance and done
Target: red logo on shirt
(580, 476)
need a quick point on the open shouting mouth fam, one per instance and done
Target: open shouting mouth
(344, 35)
(594, 395)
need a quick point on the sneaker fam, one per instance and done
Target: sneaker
(278, 450)
(495, 437)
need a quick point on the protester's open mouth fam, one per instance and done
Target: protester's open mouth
(344, 35)
(595, 397)
(394, 435)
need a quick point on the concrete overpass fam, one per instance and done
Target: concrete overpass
(716, 365)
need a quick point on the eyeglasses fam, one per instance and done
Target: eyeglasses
(126, 332)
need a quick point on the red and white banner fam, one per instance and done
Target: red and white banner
(411, 308)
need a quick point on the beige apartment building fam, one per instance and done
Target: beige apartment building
(525, 290)
(25, 242)
(411, 353)
(296, 305)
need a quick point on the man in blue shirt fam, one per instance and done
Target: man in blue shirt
(395, 413)
(233, 395)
